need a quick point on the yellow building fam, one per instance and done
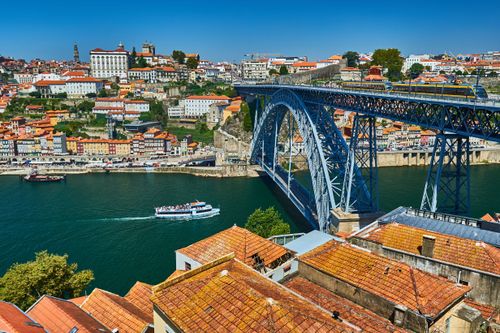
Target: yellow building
(72, 145)
(94, 147)
(119, 147)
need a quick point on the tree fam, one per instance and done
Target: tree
(85, 106)
(391, 60)
(247, 118)
(91, 95)
(192, 63)
(267, 223)
(141, 62)
(272, 72)
(102, 93)
(492, 74)
(35, 94)
(283, 70)
(352, 58)
(415, 70)
(48, 274)
(179, 56)
(133, 58)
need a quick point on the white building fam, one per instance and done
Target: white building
(79, 87)
(255, 70)
(413, 59)
(50, 88)
(153, 75)
(46, 76)
(136, 105)
(198, 106)
(109, 63)
(177, 111)
(23, 78)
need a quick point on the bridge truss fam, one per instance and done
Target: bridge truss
(346, 176)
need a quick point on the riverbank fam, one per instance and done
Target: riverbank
(227, 171)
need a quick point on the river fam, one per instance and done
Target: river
(104, 221)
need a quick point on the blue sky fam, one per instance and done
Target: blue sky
(226, 30)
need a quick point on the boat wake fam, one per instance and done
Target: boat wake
(130, 218)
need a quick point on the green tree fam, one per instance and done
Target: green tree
(267, 223)
(415, 70)
(352, 58)
(133, 58)
(102, 93)
(48, 274)
(85, 106)
(272, 71)
(283, 70)
(192, 63)
(492, 74)
(391, 60)
(141, 62)
(35, 94)
(179, 56)
(247, 117)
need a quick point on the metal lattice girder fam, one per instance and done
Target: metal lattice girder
(324, 145)
(447, 188)
(467, 118)
(361, 196)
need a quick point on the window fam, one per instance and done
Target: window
(187, 266)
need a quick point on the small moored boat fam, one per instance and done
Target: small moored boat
(188, 211)
(34, 177)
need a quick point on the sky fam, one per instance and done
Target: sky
(227, 30)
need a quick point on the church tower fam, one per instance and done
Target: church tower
(76, 54)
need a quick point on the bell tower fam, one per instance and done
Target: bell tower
(76, 54)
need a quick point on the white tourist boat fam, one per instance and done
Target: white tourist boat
(188, 211)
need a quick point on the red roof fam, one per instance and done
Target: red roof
(397, 282)
(45, 83)
(13, 320)
(83, 79)
(59, 315)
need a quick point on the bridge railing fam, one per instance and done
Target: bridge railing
(437, 98)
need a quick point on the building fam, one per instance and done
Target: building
(198, 106)
(259, 253)
(106, 64)
(227, 295)
(14, 320)
(50, 88)
(255, 70)
(350, 74)
(78, 87)
(470, 262)
(59, 144)
(407, 296)
(304, 66)
(413, 59)
(23, 78)
(118, 314)
(60, 315)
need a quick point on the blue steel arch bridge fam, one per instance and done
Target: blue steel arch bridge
(344, 175)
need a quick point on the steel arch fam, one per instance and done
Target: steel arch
(325, 148)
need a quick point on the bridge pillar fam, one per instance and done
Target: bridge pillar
(363, 153)
(447, 188)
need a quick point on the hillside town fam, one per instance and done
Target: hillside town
(108, 101)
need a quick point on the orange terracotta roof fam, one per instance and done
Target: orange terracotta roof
(397, 282)
(304, 64)
(116, 312)
(488, 218)
(176, 273)
(13, 320)
(59, 315)
(236, 240)
(135, 101)
(83, 79)
(45, 83)
(109, 99)
(488, 312)
(228, 296)
(78, 300)
(365, 319)
(459, 251)
(140, 295)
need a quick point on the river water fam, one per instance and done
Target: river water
(104, 221)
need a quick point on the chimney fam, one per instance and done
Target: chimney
(428, 245)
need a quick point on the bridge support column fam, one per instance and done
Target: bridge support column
(363, 153)
(447, 188)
